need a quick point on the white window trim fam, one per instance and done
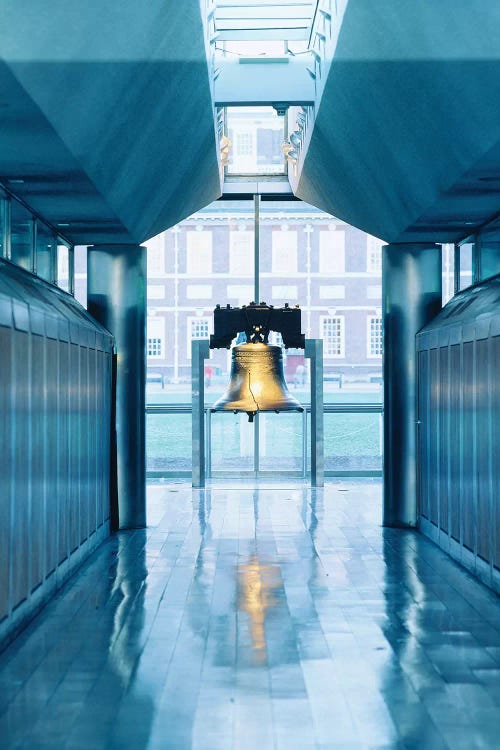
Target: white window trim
(161, 354)
(189, 320)
(373, 249)
(369, 319)
(322, 318)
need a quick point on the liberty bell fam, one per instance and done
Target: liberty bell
(257, 381)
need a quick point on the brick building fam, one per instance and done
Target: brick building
(332, 270)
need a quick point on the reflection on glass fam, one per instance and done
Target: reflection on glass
(63, 267)
(80, 255)
(21, 235)
(466, 275)
(448, 271)
(256, 135)
(46, 243)
(3, 225)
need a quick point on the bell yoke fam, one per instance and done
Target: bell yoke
(257, 381)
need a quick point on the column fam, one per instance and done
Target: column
(116, 291)
(314, 352)
(200, 351)
(411, 297)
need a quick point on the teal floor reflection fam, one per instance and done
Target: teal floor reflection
(259, 618)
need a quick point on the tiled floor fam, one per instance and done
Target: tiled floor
(258, 619)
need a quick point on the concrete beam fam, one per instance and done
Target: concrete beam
(261, 81)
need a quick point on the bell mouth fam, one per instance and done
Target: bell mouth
(257, 382)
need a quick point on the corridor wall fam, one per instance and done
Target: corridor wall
(55, 427)
(458, 429)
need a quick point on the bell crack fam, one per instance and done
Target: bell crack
(250, 418)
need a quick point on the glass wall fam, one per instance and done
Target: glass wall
(4, 234)
(32, 244)
(306, 257)
(256, 135)
(46, 244)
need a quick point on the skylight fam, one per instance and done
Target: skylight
(271, 20)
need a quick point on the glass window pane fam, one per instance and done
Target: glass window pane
(168, 444)
(81, 274)
(3, 224)
(284, 252)
(232, 443)
(373, 254)
(333, 335)
(256, 135)
(353, 442)
(21, 235)
(332, 252)
(63, 266)
(448, 272)
(281, 442)
(466, 274)
(374, 336)
(205, 260)
(199, 252)
(155, 338)
(156, 255)
(46, 243)
(241, 249)
(255, 48)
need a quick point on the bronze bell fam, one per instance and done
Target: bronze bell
(257, 382)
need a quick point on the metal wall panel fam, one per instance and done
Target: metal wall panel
(495, 448)
(466, 379)
(39, 435)
(483, 442)
(105, 427)
(21, 490)
(423, 427)
(74, 448)
(51, 452)
(5, 466)
(93, 414)
(55, 405)
(444, 438)
(63, 455)
(434, 437)
(100, 438)
(84, 443)
(454, 442)
(468, 462)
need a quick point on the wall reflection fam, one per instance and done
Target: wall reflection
(124, 675)
(406, 604)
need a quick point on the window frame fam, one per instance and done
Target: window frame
(326, 352)
(369, 320)
(373, 255)
(190, 319)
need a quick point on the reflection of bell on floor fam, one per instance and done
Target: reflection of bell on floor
(257, 382)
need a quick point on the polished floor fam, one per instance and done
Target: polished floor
(259, 619)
